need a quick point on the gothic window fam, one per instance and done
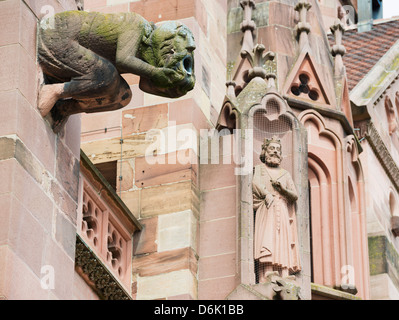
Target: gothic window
(303, 88)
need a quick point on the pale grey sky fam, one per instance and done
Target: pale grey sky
(390, 8)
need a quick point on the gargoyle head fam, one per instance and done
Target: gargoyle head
(170, 45)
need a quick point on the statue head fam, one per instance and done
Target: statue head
(271, 153)
(170, 45)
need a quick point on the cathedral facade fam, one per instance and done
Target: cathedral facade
(275, 177)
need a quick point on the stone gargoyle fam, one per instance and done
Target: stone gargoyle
(83, 54)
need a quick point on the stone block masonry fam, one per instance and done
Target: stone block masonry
(160, 183)
(39, 170)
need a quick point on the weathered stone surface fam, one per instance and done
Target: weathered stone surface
(125, 176)
(177, 230)
(145, 241)
(164, 262)
(168, 168)
(67, 170)
(65, 234)
(169, 198)
(7, 148)
(144, 119)
(83, 67)
(395, 225)
(276, 288)
(157, 10)
(132, 200)
(64, 201)
(168, 285)
(111, 150)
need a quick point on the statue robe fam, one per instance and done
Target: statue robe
(275, 239)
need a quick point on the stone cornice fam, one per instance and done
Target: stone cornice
(383, 258)
(380, 77)
(324, 111)
(96, 274)
(382, 153)
(330, 293)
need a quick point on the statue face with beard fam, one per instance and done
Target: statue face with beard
(271, 154)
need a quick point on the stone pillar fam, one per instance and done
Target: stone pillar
(303, 27)
(248, 25)
(39, 169)
(338, 50)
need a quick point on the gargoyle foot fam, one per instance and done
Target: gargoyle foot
(59, 117)
(49, 95)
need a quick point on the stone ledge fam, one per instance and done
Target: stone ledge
(164, 262)
(383, 258)
(382, 153)
(13, 147)
(331, 294)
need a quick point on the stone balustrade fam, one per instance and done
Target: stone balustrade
(105, 228)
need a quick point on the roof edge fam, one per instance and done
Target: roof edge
(378, 79)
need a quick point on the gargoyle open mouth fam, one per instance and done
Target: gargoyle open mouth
(188, 65)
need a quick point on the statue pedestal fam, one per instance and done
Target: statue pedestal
(275, 288)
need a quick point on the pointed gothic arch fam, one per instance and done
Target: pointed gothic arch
(326, 173)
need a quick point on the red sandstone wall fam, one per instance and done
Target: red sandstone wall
(38, 169)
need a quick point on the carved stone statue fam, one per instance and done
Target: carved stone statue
(274, 195)
(83, 54)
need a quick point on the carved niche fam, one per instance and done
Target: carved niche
(83, 54)
(278, 194)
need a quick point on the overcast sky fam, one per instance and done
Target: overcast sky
(390, 8)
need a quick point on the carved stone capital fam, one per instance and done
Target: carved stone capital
(302, 27)
(257, 58)
(247, 3)
(337, 26)
(231, 85)
(338, 30)
(338, 50)
(248, 25)
(302, 4)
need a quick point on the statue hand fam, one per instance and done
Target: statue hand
(269, 199)
(277, 185)
(165, 77)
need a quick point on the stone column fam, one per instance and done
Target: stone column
(338, 50)
(303, 27)
(38, 168)
(248, 26)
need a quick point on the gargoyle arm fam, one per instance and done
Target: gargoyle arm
(126, 59)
